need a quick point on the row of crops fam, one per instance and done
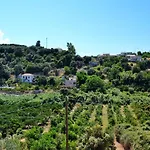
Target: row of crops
(91, 126)
(24, 113)
(87, 134)
(132, 125)
(80, 125)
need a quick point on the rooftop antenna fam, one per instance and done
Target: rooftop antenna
(46, 42)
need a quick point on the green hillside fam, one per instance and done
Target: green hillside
(108, 106)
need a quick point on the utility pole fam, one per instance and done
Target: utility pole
(66, 107)
(65, 92)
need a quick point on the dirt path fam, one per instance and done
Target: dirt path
(122, 111)
(104, 118)
(23, 140)
(93, 114)
(47, 127)
(118, 146)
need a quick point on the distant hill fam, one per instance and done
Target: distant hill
(16, 59)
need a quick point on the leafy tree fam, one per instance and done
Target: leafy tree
(87, 59)
(73, 64)
(18, 69)
(73, 67)
(45, 71)
(127, 78)
(114, 72)
(91, 71)
(94, 83)
(71, 49)
(136, 69)
(124, 60)
(38, 44)
(78, 58)
(81, 77)
(18, 52)
(106, 70)
(143, 65)
(108, 61)
(115, 82)
(29, 57)
(139, 53)
(51, 81)
(12, 144)
(4, 75)
(73, 70)
(94, 139)
(33, 69)
(131, 90)
(67, 70)
(1, 74)
(41, 80)
(34, 133)
(79, 64)
(67, 59)
(60, 64)
(126, 66)
(48, 58)
(64, 91)
(146, 54)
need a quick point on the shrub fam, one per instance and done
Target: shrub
(131, 90)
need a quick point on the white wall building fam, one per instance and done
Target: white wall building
(27, 77)
(134, 58)
(70, 82)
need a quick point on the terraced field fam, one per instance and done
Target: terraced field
(41, 125)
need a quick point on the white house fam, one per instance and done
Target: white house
(27, 77)
(126, 53)
(134, 58)
(70, 82)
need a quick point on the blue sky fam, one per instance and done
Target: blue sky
(93, 26)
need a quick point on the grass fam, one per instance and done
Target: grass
(133, 63)
(104, 118)
(43, 96)
(122, 111)
(47, 127)
(29, 97)
(77, 105)
(133, 114)
(93, 115)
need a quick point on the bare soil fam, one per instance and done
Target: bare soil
(47, 127)
(104, 117)
(118, 146)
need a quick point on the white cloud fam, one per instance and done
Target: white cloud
(2, 39)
